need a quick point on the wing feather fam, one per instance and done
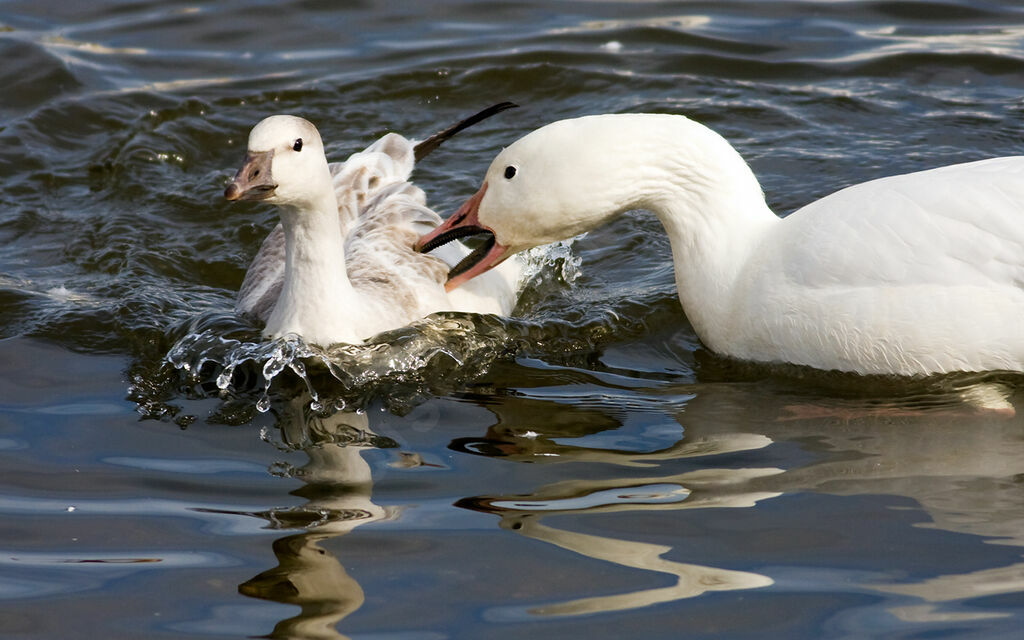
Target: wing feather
(959, 224)
(264, 279)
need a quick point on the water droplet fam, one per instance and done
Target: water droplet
(224, 379)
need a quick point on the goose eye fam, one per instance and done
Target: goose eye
(510, 172)
(298, 144)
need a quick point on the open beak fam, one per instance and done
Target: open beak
(253, 181)
(462, 223)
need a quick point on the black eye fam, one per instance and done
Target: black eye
(298, 144)
(510, 172)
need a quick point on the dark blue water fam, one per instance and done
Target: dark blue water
(584, 469)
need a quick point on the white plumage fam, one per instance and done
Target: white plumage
(914, 274)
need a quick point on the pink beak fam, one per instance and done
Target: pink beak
(462, 223)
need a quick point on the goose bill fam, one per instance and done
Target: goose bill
(462, 223)
(254, 180)
(485, 257)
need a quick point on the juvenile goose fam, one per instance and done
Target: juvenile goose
(914, 274)
(340, 266)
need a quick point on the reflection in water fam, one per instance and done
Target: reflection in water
(950, 588)
(339, 484)
(958, 458)
(312, 578)
(702, 488)
(691, 579)
(338, 487)
(960, 455)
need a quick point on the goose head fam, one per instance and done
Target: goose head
(554, 183)
(283, 165)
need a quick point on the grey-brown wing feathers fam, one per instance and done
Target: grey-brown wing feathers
(264, 279)
(378, 251)
(381, 215)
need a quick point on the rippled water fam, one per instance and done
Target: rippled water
(582, 469)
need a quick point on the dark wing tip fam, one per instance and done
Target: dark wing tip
(422, 149)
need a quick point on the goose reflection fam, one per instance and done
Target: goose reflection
(959, 454)
(338, 486)
(928, 447)
(956, 452)
(516, 436)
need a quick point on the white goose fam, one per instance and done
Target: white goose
(914, 274)
(340, 266)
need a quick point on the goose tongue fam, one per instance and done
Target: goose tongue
(487, 256)
(462, 223)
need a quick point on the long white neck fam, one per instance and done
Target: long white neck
(715, 215)
(316, 289)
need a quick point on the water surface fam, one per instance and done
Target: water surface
(584, 469)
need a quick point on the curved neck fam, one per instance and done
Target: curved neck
(709, 257)
(715, 216)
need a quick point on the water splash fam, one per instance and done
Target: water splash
(217, 354)
(556, 259)
(436, 355)
(449, 346)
